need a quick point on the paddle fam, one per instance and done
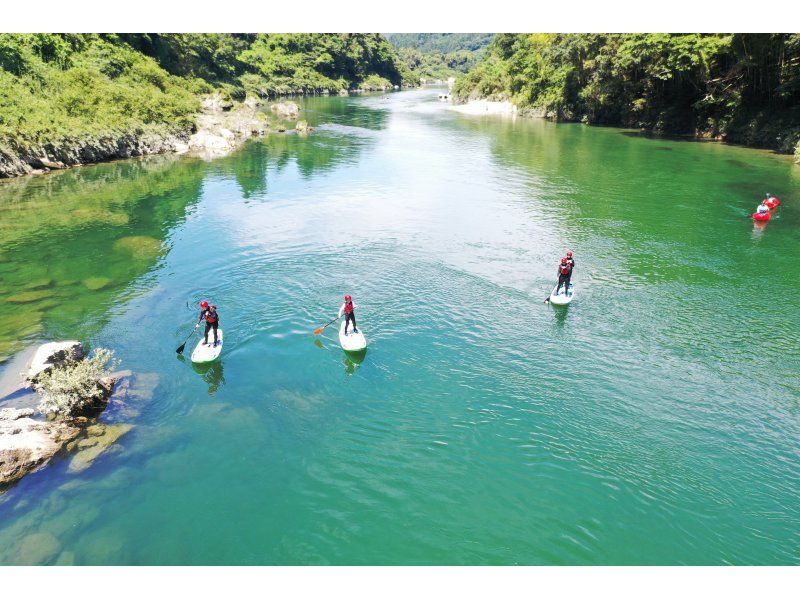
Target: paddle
(180, 349)
(321, 328)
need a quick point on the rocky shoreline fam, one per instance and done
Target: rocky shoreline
(221, 127)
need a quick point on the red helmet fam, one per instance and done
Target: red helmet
(569, 254)
(563, 260)
(204, 304)
(347, 297)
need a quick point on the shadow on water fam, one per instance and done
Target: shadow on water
(55, 227)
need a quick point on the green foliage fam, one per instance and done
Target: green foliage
(72, 388)
(280, 63)
(441, 43)
(64, 87)
(440, 55)
(51, 89)
(744, 85)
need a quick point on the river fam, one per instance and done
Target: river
(656, 420)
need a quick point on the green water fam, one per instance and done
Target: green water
(656, 420)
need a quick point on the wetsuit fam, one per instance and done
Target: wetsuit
(564, 274)
(348, 309)
(211, 317)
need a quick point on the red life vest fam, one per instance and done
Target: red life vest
(565, 269)
(348, 307)
(210, 317)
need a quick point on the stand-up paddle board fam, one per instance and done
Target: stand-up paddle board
(564, 296)
(205, 353)
(352, 341)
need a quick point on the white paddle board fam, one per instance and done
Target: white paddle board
(352, 341)
(563, 298)
(205, 353)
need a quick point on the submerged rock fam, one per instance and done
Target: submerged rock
(95, 283)
(99, 438)
(30, 296)
(42, 283)
(139, 247)
(302, 127)
(38, 549)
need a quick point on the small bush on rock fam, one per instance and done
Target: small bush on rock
(76, 387)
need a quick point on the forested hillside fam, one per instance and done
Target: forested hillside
(78, 88)
(440, 55)
(742, 87)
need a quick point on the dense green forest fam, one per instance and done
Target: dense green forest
(741, 87)
(440, 55)
(56, 87)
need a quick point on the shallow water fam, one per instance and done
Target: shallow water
(656, 420)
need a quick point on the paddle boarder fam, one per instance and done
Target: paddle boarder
(348, 310)
(564, 274)
(210, 315)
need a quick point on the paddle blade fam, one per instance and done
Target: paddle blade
(180, 349)
(319, 330)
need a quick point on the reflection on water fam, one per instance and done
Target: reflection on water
(71, 242)
(352, 360)
(212, 373)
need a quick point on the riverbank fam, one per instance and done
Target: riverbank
(220, 127)
(74, 99)
(747, 138)
(734, 87)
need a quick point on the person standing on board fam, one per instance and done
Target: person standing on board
(348, 310)
(210, 315)
(564, 274)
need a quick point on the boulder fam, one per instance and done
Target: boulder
(286, 110)
(302, 127)
(27, 444)
(252, 102)
(216, 103)
(54, 354)
(52, 164)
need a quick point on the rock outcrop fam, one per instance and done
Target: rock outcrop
(302, 127)
(18, 160)
(27, 444)
(221, 129)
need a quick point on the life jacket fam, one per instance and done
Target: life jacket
(565, 269)
(211, 316)
(348, 307)
(571, 262)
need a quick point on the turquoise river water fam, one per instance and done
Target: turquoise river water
(656, 420)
